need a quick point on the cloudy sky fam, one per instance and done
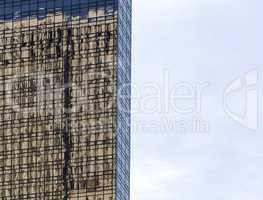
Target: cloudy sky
(197, 95)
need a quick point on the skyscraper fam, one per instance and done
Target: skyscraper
(65, 99)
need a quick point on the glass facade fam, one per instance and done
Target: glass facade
(65, 99)
(123, 99)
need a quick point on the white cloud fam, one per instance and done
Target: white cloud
(197, 41)
(153, 178)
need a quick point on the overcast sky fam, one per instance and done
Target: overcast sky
(196, 81)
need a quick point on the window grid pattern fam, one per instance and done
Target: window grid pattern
(123, 100)
(58, 94)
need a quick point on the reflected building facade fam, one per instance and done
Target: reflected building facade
(65, 99)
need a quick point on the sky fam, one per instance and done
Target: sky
(197, 100)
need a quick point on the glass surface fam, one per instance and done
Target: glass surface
(58, 94)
